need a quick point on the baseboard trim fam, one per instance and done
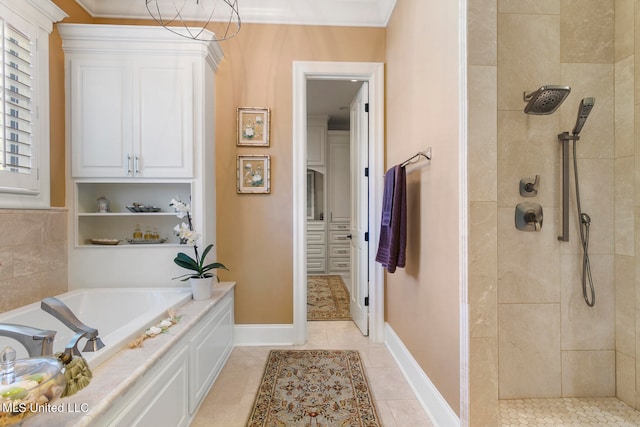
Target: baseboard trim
(255, 335)
(427, 394)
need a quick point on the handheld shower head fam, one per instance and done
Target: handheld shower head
(545, 100)
(585, 108)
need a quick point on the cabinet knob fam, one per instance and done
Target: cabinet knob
(349, 236)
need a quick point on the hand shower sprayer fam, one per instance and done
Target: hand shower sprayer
(584, 220)
(545, 100)
(583, 112)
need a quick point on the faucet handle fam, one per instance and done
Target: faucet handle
(7, 363)
(528, 188)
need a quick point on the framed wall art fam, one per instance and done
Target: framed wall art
(254, 173)
(253, 127)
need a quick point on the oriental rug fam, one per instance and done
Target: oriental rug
(327, 298)
(314, 388)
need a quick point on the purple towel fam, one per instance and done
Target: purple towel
(393, 235)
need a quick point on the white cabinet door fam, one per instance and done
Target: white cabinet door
(101, 118)
(339, 181)
(316, 140)
(163, 125)
(132, 119)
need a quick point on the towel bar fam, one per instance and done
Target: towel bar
(426, 154)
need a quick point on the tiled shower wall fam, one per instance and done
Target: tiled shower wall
(33, 255)
(532, 335)
(626, 201)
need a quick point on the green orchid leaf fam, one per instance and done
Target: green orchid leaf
(214, 266)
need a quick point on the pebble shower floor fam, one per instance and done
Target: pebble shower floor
(597, 412)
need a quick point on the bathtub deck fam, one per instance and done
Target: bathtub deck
(119, 373)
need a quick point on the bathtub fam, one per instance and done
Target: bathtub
(119, 314)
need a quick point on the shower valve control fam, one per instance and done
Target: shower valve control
(529, 188)
(529, 217)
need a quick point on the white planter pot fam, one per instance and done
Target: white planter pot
(201, 288)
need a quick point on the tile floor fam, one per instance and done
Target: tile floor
(597, 412)
(230, 401)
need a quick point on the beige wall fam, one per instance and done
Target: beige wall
(255, 231)
(526, 304)
(422, 300)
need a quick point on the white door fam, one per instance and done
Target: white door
(360, 209)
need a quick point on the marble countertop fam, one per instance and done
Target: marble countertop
(122, 371)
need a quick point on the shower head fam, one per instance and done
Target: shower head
(545, 100)
(585, 108)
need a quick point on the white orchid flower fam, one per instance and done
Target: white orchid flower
(165, 324)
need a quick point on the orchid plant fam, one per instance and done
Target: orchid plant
(188, 236)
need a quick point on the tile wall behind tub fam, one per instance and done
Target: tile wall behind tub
(33, 255)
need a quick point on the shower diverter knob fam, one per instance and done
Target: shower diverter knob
(529, 188)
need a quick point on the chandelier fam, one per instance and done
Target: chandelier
(191, 18)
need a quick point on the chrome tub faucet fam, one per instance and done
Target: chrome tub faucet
(38, 342)
(60, 311)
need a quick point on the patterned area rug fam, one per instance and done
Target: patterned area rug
(323, 388)
(327, 298)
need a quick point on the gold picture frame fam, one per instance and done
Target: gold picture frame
(253, 127)
(253, 174)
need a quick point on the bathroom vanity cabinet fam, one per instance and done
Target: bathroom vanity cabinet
(140, 130)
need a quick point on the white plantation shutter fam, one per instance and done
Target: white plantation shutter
(25, 26)
(18, 152)
(15, 102)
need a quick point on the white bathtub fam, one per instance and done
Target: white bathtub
(120, 315)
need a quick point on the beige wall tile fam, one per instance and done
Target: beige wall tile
(483, 387)
(529, 350)
(482, 32)
(482, 137)
(624, 27)
(33, 256)
(624, 107)
(527, 146)
(624, 206)
(588, 373)
(483, 269)
(577, 316)
(547, 7)
(587, 31)
(625, 310)
(528, 48)
(528, 265)
(626, 378)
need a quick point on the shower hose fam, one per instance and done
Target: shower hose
(585, 222)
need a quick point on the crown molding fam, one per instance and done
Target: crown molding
(362, 13)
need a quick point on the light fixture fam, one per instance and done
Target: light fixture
(192, 18)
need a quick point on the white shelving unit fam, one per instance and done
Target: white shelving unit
(120, 222)
(140, 103)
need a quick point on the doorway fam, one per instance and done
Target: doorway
(373, 74)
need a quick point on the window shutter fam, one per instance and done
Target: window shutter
(16, 102)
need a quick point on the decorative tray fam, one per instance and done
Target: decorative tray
(104, 241)
(137, 208)
(145, 241)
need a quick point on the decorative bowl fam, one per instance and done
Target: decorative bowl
(38, 381)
